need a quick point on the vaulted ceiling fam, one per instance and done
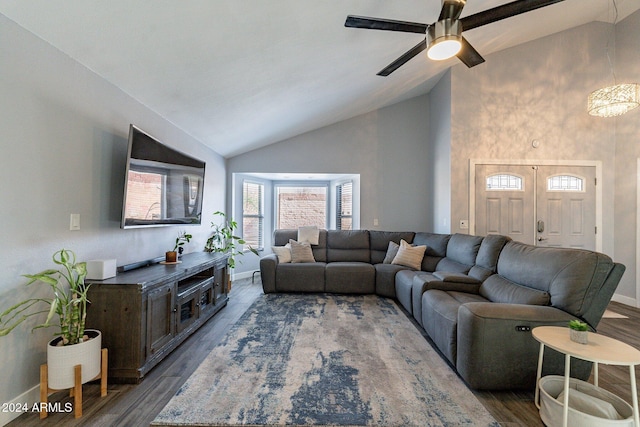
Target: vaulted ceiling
(241, 74)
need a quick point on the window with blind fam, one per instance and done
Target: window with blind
(252, 214)
(344, 206)
(298, 206)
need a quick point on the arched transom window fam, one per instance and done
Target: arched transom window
(565, 183)
(504, 182)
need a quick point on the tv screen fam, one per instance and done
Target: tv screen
(162, 186)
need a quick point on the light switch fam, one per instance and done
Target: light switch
(74, 222)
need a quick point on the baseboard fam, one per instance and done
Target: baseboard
(243, 275)
(624, 300)
(28, 399)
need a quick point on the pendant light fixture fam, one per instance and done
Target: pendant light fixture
(613, 100)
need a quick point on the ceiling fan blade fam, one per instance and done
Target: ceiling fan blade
(385, 24)
(468, 55)
(499, 13)
(451, 9)
(403, 59)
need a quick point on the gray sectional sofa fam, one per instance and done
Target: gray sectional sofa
(477, 298)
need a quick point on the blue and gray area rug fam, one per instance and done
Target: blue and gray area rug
(324, 360)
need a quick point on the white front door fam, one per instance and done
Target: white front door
(566, 214)
(505, 202)
(538, 205)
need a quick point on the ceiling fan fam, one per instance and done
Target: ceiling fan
(444, 37)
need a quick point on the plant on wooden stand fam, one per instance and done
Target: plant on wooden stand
(224, 240)
(69, 303)
(69, 300)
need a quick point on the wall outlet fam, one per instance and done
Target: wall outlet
(375, 221)
(464, 224)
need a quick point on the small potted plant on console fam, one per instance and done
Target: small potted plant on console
(578, 331)
(171, 257)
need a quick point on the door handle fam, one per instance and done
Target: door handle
(540, 226)
(540, 239)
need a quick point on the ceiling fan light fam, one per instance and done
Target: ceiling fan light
(444, 39)
(614, 100)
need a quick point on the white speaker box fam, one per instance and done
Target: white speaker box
(100, 269)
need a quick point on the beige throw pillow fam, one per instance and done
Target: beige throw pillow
(301, 252)
(409, 256)
(283, 253)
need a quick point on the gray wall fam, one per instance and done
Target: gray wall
(63, 132)
(539, 91)
(387, 147)
(439, 161)
(627, 146)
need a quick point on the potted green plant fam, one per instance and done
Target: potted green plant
(73, 345)
(172, 255)
(224, 240)
(578, 331)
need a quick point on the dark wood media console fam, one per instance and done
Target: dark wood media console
(145, 313)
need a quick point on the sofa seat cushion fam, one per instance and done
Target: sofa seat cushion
(403, 288)
(304, 277)
(350, 278)
(386, 279)
(440, 318)
(440, 280)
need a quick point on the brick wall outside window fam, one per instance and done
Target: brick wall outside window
(301, 206)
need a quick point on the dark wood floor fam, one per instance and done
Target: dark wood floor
(137, 405)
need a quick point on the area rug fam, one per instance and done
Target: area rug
(324, 360)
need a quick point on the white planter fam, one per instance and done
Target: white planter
(62, 360)
(581, 337)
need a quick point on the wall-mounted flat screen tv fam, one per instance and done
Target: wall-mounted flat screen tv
(162, 186)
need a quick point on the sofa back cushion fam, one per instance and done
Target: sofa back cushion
(282, 237)
(462, 250)
(487, 258)
(379, 242)
(571, 277)
(348, 246)
(436, 248)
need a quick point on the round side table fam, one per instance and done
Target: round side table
(599, 349)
